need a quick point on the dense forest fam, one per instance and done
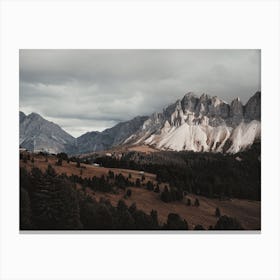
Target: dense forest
(50, 201)
(209, 174)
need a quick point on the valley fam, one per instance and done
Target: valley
(247, 212)
(193, 165)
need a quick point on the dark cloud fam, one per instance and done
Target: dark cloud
(85, 90)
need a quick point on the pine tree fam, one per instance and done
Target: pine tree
(217, 212)
(128, 193)
(50, 171)
(138, 184)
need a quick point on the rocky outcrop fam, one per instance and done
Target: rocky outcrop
(252, 110)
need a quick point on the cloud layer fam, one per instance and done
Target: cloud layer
(85, 90)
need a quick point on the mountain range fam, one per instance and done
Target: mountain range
(195, 123)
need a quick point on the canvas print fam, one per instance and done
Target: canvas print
(140, 139)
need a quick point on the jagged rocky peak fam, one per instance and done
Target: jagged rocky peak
(204, 105)
(236, 108)
(204, 97)
(253, 107)
(35, 116)
(189, 102)
(21, 116)
(202, 123)
(218, 108)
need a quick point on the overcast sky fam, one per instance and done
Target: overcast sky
(86, 90)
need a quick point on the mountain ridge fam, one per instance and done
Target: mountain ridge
(202, 123)
(196, 123)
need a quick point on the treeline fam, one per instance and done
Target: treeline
(171, 195)
(209, 174)
(102, 184)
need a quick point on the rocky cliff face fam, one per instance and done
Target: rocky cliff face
(202, 123)
(252, 110)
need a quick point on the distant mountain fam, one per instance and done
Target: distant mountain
(193, 123)
(98, 141)
(202, 123)
(38, 134)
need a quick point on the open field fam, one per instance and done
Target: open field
(247, 212)
(88, 171)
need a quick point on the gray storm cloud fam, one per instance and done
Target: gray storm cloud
(85, 90)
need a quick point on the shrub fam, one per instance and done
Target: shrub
(121, 205)
(138, 184)
(154, 216)
(150, 186)
(50, 171)
(199, 227)
(228, 223)
(111, 174)
(132, 208)
(59, 162)
(63, 156)
(175, 222)
(157, 190)
(165, 195)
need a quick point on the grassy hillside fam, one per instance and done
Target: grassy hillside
(105, 187)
